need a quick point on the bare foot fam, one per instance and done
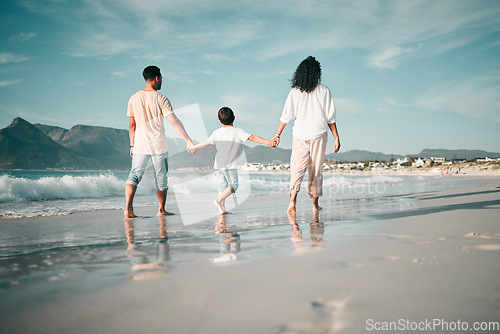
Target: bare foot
(317, 208)
(291, 207)
(129, 213)
(220, 206)
(165, 213)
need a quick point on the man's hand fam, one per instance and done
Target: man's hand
(131, 151)
(190, 148)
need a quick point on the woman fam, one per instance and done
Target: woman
(310, 104)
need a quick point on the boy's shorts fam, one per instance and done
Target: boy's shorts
(227, 178)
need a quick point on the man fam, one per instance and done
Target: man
(148, 141)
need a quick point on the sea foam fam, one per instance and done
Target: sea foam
(58, 188)
(55, 193)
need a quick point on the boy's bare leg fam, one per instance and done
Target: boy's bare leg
(316, 206)
(162, 200)
(220, 202)
(129, 200)
(293, 200)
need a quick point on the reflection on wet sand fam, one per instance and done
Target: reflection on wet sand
(140, 262)
(317, 231)
(226, 240)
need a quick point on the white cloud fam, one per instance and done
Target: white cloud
(22, 37)
(216, 57)
(390, 32)
(390, 57)
(345, 106)
(5, 83)
(208, 72)
(7, 57)
(251, 107)
(102, 45)
(395, 103)
(477, 98)
(120, 74)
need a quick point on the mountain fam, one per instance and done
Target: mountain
(111, 146)
(54, 132)
(458, 154)
(24, 146)
(267, 155)
(103, 144)
(27, 146)
(360, 155)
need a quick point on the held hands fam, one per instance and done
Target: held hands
(275, 141)
(191, 148)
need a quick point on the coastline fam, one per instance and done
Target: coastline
(435, 259)
(468, 168)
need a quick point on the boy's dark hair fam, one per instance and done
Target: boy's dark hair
(226, 116)
(150, 73)
(307, 75)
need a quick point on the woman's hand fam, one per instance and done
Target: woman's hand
(336, 146)
(275, 141)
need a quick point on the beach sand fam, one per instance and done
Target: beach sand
(435, 258)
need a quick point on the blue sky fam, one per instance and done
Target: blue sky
(405, 75)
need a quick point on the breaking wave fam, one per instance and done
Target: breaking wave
(58, 188)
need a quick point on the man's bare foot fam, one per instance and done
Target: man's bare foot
(291, 207)
(129, 213)
(165, 213)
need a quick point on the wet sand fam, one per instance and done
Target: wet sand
(435, 259)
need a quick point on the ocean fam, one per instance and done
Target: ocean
(50, 193)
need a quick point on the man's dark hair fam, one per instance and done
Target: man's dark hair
(150, 73)
(226, 116)
(307, 75)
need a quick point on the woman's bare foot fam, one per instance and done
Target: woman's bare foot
(316, 206)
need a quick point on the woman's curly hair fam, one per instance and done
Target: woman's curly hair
(307, 75)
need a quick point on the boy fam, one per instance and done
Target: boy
(227, 141)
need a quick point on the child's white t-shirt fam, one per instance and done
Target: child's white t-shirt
(227, 141)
